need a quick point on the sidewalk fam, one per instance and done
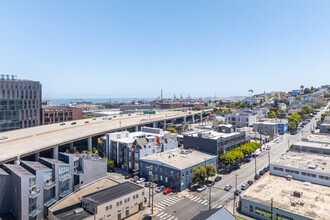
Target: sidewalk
(229, 207)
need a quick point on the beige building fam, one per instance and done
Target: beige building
(113, 203)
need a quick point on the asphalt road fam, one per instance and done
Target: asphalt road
(188, 205)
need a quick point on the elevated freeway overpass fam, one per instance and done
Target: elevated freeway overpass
(32, 141)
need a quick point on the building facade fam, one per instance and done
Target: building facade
(242, 119)
(29, 188)
(20, 103)
(173, 168)
(56, 114)
(213, 142)
(126, 148)
(266, 128)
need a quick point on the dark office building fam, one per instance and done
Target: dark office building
(20, 103)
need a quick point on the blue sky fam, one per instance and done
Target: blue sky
(136, 48)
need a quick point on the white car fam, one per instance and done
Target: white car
(141, 180)
(201, 188)
(228, 187)
(3, 138)
(268, 147)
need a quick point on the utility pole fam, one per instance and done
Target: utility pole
(152, 205)
(288, 144)
(271, 207)
(234, 201)
(269, 157)
(210, 198)
(255, 165)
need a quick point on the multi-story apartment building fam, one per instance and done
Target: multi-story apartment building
(126, 148)
(174, 168)
(56, 114)
(29, 188)
(240, 120)
(213, 142)
(20, 103)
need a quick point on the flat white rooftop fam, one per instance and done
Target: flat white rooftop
(312, 144)
(315, 198)
(306, 161)
(317, 138)
(177, 158)
(27, 141)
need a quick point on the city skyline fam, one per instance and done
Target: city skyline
(134, 49)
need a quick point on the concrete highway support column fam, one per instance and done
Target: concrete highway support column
(117, 152)
(193, 118)
(164, 125)
(90, 147)
(136, 128)
(55, 152)
(36, 156)
(17, 161)
(184, 119)
(155, 124)
(201, 117)
(107, 150)
(71, 148)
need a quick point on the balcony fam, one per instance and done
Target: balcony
(66, 192)
(34, 211)
(33, 194)
(50, 202)
(49, 185)
(78, 172)
(67, 176)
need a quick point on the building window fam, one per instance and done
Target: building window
(251, 208)
(263, 212)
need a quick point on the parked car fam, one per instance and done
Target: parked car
(94, 119)
(128, 176)
(73, 123)
(147, 218)
(62, 124)
(86, 122)
(250, 182)
(109, 118)
(104, 118)
(268, 147)
(194, 188)
(237, 192)
(160, 189)
(145, 199)
(228, 187)
(141, 180)
(3, 138)
(245, 186)
(129, 115)
(134, 179)
(218, 178)
(265, 169)
(114, 116)
(147, 184)
(261, 172)
(210, 183)
(256, 177)
(167, 191)
(201, 188)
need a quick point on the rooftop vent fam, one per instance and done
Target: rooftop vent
(77, 211)
(297, 194)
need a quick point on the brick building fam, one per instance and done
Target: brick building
(56, 114)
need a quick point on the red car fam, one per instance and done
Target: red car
(167, 191)
(114, 116)
(86, 122)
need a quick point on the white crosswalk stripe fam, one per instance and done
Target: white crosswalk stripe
(162, 215)
(160, 206)
(159, 214)
(205, 202)
(170, 218)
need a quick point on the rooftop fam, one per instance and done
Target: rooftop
(53, 161)
(77, 196)
(315, 198)
(112, 193)
(19, 170)
(73, 214)
(180, 159)
(36, 165)
(312, 144)
(209, 134)
(314, 162)
(317, 138)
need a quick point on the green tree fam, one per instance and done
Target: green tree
(292, 125)
(308, 91)
(210, 170)
(327, 95)
(280, 111)
(199, 174)
(172, 130)
(295, 118)
(306, 109)
(272, 114)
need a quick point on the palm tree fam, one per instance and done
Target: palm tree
(251, 91)
(302, 87)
